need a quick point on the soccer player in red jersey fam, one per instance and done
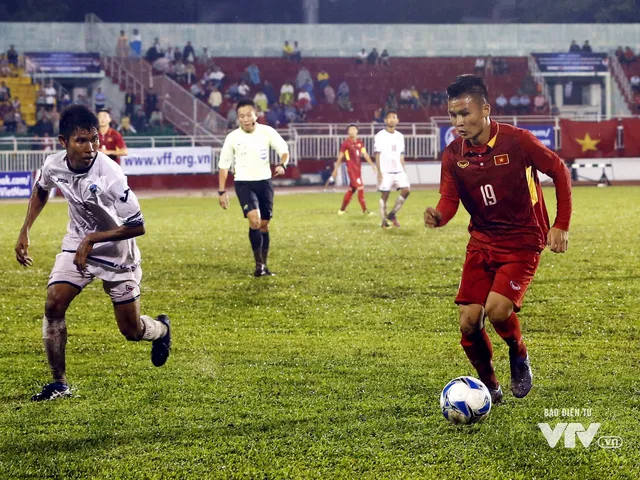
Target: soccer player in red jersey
(111, 142)
(351, 150)
(492, 168)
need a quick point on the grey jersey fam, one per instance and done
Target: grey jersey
(99, 199)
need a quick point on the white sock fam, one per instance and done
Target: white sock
(398, 205)
(383, 209)
(153, 329)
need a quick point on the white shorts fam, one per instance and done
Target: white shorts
(389, 180)
(65, 271)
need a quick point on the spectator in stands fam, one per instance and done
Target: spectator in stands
(188, 53)
(372, 58)
(304, 101)
(154, 52)
(488, 66)
(65, 101)
(629, 56)
(539, 103)
(574, 47)
(196, 89)
(344, 100)
(586, 48)
(287, 50)
(323, 79)
(122, 46)
(261, 101)
(286, 94)
(620, 54)
(177, 54)
(232, 117)
(9, 121)
(378, 116)
(5, 69)
(392, 101)
(303, 76)
(273, 116)
(407, 98)
(83, 100)
(500, 66)
(168, 54)
(129, 102)
(268, 90)
(180, 70)
(243, 89)
(41, 100)
(139, 121)
(329, 94)
(361, 57)
(384, 58)
(163, 65)
(525, 104)
(233, 92)
(125, 126)
(296, 56)
(156, 119)
(4, 92)
(16, 105)
(254, 74)
(48, 144)
(635, 83)
(501, 104)
(308, 87)
(50, 96)
(12, 56)
(514, 104)
(100, 100)
(136, 44)
(478, 68)
(150, 103)
(190, 70)
(216, 76)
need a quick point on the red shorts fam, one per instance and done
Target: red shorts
(508, 274)
(355, 180)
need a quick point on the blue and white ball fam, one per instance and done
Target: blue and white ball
(465, 400)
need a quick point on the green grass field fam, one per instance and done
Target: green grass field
(331, 369)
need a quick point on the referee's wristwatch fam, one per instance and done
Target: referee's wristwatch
(283, 165)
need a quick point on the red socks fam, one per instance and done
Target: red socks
(510, 332)
(478, 348)
(346, 200)
(361, 200)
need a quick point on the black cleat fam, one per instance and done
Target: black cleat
(161, 347)
(52, 391)
(259, 271)
(496, 395)
(268, 273)
(521, 376)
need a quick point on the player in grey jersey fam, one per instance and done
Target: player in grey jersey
(104, 219)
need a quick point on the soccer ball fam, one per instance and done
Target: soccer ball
(465, 400)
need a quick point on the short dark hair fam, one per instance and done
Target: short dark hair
(468, 84)
(352, 125)
(105, 110)
(389, 112)
(244, 102)
(76, 117)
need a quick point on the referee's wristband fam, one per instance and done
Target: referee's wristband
(221, 192)
(283, 165)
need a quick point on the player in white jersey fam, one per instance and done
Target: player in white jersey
(389, 150)
(247, 148)
(104, 219)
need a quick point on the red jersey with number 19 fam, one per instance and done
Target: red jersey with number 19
(498, 185)
(352, 150)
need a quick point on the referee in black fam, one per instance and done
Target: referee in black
(247, 148)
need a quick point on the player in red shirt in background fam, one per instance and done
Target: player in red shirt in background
(493, 169)
(351, 150)
(111, 142)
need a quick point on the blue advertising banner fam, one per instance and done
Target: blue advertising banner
(62, 62)
(15, 184)
(543, 132)
(572, 62)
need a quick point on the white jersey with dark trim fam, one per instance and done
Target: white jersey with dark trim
(99, 199)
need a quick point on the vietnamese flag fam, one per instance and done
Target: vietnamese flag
(588, 139)
(631, 136)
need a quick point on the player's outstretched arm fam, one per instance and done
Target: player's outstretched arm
(38, 200)
(123, 232)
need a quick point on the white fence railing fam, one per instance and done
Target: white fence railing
(327, 146)
(39, 143)
(363, 128)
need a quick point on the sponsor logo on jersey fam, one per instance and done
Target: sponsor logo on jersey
(514, 285)
(61, 180)
(501, 159)
(463, 164)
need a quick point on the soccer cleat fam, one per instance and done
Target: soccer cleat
(496, 395)
(392, 218)
(161, 347)
(521, 376)
(367, 213)
(267, 272)
(385, 225)
(260, 271)
(52, 391)
(341, 212)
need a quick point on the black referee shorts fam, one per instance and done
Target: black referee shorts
(256, 195)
